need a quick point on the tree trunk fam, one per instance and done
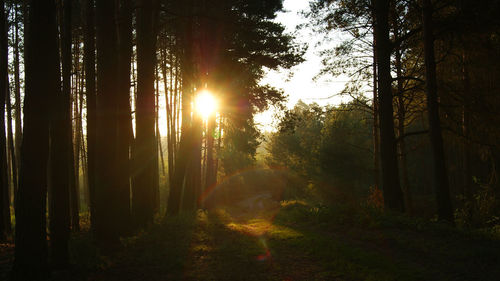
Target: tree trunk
(108, 215)
(12, 153)
(401, 115)
(193, 173)
(393, 196)
(60, 150)
(75, 191)
(17, 88)
(376, 135)
(170, 116)
(124, 112)
(4, 182)
(42, 81)
(185, 142)
(219, 145)
(210, 174)
(159, 149)
(467, 145)
(89, 61)
(143, 191)
(440, 177)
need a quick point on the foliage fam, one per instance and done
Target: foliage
(240, 147)
(480, 212)
(328, 146)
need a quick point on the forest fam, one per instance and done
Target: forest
(129, 148)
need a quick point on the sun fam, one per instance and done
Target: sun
(205, 103)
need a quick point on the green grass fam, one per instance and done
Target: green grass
(294, 242)
(363, 244)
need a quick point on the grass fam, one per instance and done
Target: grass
(294, 241)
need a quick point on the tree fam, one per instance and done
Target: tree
(393, 196)
(61, 149)
(41, 82)
(89, 61)
(145, 143)
(17, 84)
(440, 176)
(124, 120)
(4, 182)
(182, 155)
(109, 219)
(234, 25)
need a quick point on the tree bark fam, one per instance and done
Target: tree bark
(393, 196)
(143, 191)
(4, 182)
(401, 115)
(159, 148)
(440, 176)
(210, 175)
(193, 173)
(41, 82)
(170, 116)
(108, 215)
(17, 107)
(466, 122)
(376, 135)
(89, 61)
(61, 150)
(11, 153)
(75, 190)
(185, 142)
(124, 112)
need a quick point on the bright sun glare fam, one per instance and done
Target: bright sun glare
(205, 103)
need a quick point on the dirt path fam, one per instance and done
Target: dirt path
(241, 242)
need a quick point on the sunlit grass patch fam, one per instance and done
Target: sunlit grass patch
(256, 227)
(286, 203)
(282, 232)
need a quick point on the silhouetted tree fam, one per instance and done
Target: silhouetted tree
(42, 81)
(124, 22)
(108, 217)
(145, 143)
(4, 182)
(90, 90)
(440, 176)
(61, 149)
(393, 196)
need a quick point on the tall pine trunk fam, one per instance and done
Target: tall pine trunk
(11, 154)
(17, 107)
(168, 108)
(4, 182)
(41, 82)
(375, 131)
(124, 114)
(210, 174)
(393, 196)
(440, 175)
(60, 151)
(145, 167)
(90, 89)
(77, 108)
(108, 215)
(182, 154)
(401, 115)
(193, 174)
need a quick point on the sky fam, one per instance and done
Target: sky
(297, 82)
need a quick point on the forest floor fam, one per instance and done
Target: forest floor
(261, 239)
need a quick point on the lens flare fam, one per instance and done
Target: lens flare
(206, 104)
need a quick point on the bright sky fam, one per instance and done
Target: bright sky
(300, 86)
